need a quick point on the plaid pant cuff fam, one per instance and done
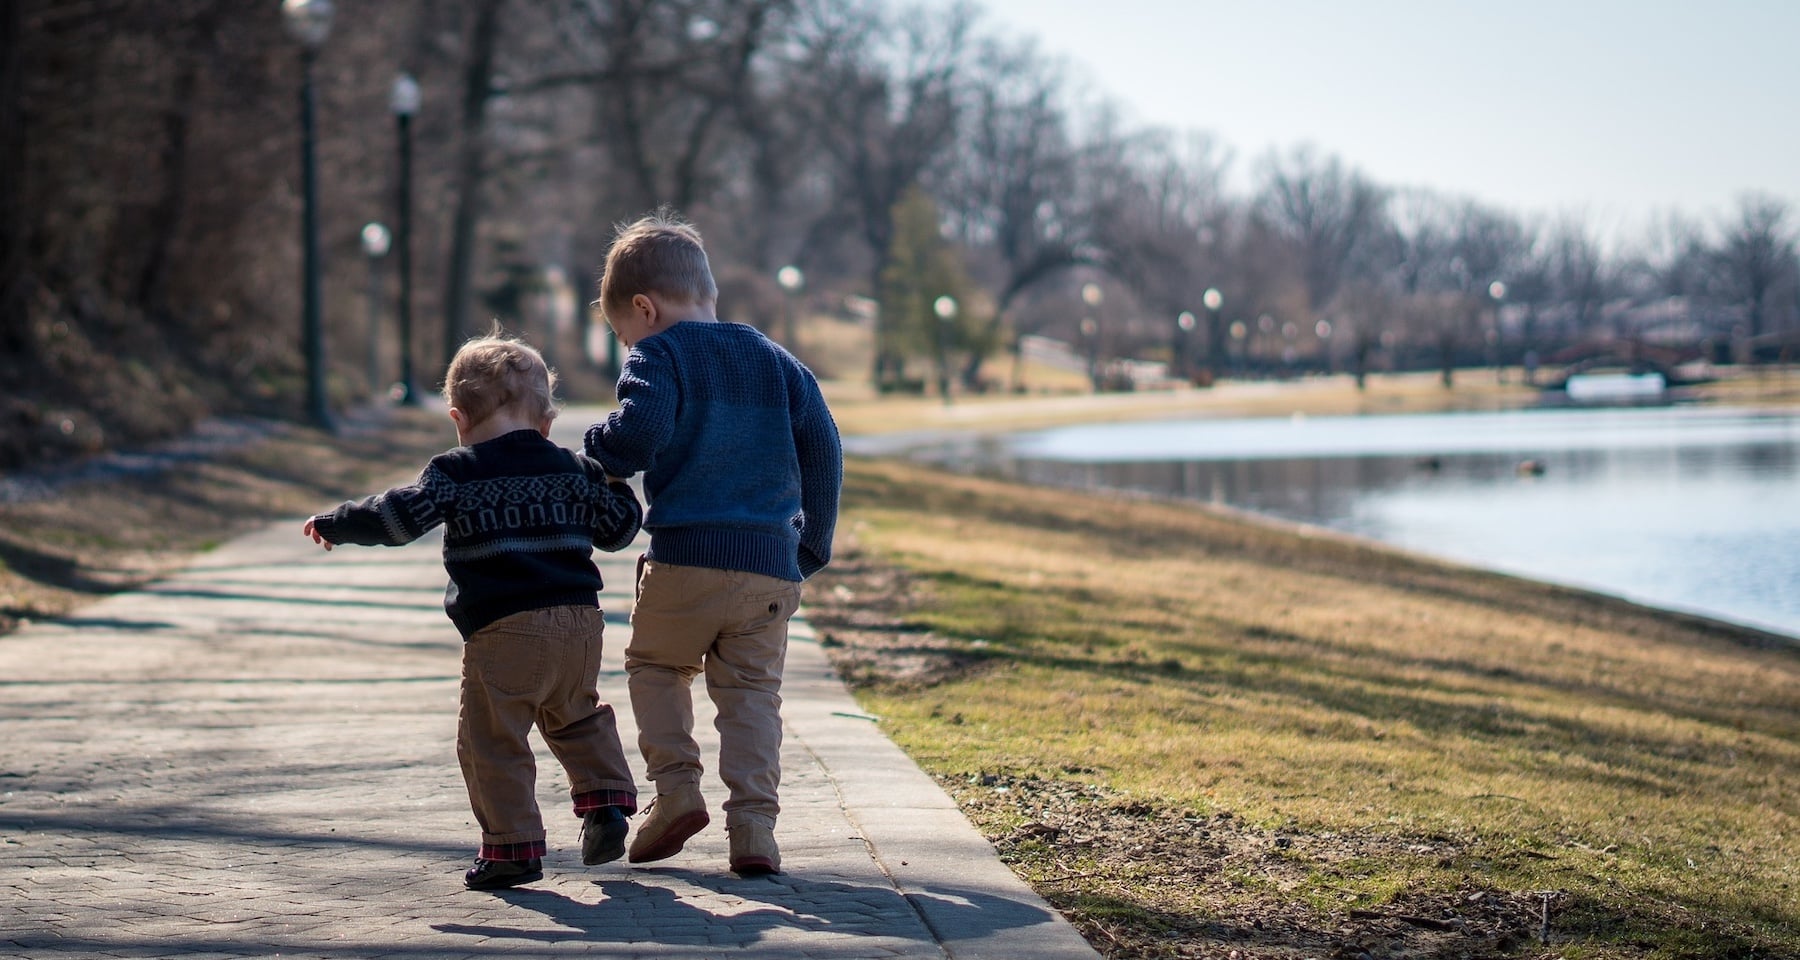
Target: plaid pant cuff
(524, 850)
(595, 799)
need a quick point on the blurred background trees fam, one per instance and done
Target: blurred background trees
(150, 199)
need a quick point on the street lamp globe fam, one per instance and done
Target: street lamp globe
(1092, 294)
(790, 278)
(308, 21)
(945, 308)
(1497, 290)
(1185, 320)
(375, 240)
(404, 98)
(1212, 298)
(1323, 329)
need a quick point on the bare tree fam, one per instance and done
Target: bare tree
(1014, 190)
(1671, 259)
(483, 39)
(13, 224)
(1580, 280)
(1486, 246)
(882, 96)
(668, 76)
(1331, 217)
(1755, 254)
(1162, 221)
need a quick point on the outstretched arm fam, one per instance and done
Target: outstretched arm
(391, 519)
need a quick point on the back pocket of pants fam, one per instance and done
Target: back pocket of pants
(506, 663)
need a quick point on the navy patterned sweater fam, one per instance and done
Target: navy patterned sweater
(521, 519)
(741, 460)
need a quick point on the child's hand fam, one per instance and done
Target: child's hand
(313, 532)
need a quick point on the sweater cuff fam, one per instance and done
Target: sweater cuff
(325, 525)
(590, 445)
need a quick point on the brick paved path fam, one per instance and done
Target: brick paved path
(255, 758)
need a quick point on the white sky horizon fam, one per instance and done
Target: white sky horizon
(1613, 111)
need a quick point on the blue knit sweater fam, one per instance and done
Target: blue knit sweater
(741, 460)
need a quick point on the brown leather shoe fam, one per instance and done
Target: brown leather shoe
(672, 818)
(753, 850)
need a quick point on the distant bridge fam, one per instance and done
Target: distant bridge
(1635, 356)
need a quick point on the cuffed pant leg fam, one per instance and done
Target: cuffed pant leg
(500, 673)
(581, 731)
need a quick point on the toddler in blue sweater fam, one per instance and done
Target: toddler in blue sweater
(741, 469)
(521, 519)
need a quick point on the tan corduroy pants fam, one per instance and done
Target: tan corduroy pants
(537, 667)
(733, 626)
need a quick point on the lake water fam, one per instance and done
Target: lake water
(1693, 509)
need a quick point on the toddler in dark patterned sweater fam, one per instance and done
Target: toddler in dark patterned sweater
(521, 517)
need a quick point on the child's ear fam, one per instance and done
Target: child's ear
(459, 418)
(646, 307)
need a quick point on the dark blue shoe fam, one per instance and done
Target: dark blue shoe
(499, 874)
(603, 835)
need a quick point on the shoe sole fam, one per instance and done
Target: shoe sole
(754, 867)
(501, 883)
(672, 839)
(610, 847)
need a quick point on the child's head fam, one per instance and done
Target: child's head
(497, 373)
(658, 256)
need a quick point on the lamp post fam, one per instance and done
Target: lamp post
(1497, 293)
(945, 308)
(1092, 295)
(375, 243)
(792, 281)
(405, 102)
(1213, 300)
(309, 21)
(1184, 329)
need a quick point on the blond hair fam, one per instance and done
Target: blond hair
(496, 372)
(658, 254)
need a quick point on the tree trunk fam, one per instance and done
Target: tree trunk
(13, 228)
(165, 215)
(478, 76)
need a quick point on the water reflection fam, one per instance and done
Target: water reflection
(1694, 510)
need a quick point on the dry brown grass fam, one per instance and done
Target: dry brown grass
(1538, 739)
(860, 411)
(105, 535)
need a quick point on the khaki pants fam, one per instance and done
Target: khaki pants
(537, 667)
(733, 625)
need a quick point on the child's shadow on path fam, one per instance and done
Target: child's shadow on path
(747, 912)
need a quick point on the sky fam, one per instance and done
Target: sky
(1614, 111)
